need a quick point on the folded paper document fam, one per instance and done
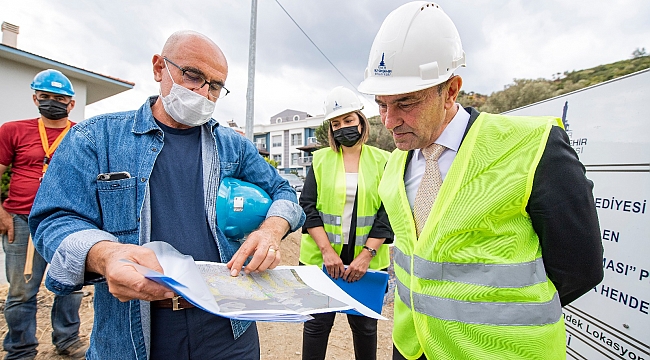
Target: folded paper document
(286, 293)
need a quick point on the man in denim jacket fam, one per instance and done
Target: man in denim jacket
(121, 180)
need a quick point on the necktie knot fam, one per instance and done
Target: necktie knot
(433, 151)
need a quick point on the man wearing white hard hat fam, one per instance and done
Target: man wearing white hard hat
(494, 220)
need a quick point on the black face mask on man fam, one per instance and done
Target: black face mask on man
(53, 109)
(347, 136)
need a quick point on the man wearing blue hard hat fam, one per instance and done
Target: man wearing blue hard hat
(28, 146)
(125, 179)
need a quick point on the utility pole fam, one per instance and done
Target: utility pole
(250, 91)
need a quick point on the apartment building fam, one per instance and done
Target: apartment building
(289, 139)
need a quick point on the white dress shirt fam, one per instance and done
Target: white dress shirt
(450, 138)
(351, 181)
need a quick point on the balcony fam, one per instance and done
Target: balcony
(305, 160)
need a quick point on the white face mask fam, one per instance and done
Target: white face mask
(187, 107)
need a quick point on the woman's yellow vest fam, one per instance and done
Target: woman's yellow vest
(329, 171)
(473, 286)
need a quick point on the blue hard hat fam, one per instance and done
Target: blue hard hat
(53, 81)
(241, 207)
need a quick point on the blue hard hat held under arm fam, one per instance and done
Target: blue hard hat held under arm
(52, 81)
(241, 207)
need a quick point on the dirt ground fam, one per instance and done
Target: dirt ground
(277, 340)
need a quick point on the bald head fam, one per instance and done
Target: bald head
(181, 40)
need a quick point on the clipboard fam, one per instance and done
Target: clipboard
(369, 290)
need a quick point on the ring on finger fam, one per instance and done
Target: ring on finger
(272, 249)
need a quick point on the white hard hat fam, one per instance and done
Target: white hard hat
(417, 47)
(341, 101)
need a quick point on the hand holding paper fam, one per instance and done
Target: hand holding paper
(287, 293)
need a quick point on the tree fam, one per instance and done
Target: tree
(379, 136)
(6, 178)
(321, 134)
(271, 161)
(637, 53)
(472, 99)
(522, 92)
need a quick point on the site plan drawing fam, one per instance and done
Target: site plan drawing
(286, 293)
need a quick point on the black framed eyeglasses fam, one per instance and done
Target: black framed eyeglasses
(196, 80)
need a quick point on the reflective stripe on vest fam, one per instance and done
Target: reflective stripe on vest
(359, 240)
(494, 275)
(362, 221)
(485, 313)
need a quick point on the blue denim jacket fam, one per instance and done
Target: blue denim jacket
(73, 211)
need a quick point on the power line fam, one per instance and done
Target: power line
(316, 46)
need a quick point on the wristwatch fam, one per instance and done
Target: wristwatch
(373, 252)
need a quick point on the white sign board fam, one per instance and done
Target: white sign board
(609, 127)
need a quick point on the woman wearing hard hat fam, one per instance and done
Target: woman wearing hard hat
(346, 228)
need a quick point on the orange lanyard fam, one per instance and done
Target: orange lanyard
(49, 150)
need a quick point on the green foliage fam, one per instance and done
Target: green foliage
(379, 136)
(471, 98)
(522, 92)
(527, 91)
(605, 72)
(271, 161)
(321, 134)
(4, 187)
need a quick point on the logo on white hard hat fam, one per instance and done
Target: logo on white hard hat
(381, 70)
(336, 106)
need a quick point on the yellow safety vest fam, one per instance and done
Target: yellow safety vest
(329, 172)
(473, 286)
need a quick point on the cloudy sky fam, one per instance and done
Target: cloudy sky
(503, 40)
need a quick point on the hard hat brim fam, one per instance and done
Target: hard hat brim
(58, 91)
(376, 85)
(340, 112)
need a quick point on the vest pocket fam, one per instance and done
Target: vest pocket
(117, 199)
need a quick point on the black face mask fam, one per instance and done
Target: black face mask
(53, 109)
(347, 136)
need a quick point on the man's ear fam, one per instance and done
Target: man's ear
(35, 100)
(71, 105)
(453, 89)
(158, 65)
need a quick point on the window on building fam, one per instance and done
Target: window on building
(261, 143)
(296, 139)
(294, 158)
(277, 140)
(278, 120)
(296, 117)
(278, 159)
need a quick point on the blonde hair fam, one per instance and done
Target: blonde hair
(365, 131)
